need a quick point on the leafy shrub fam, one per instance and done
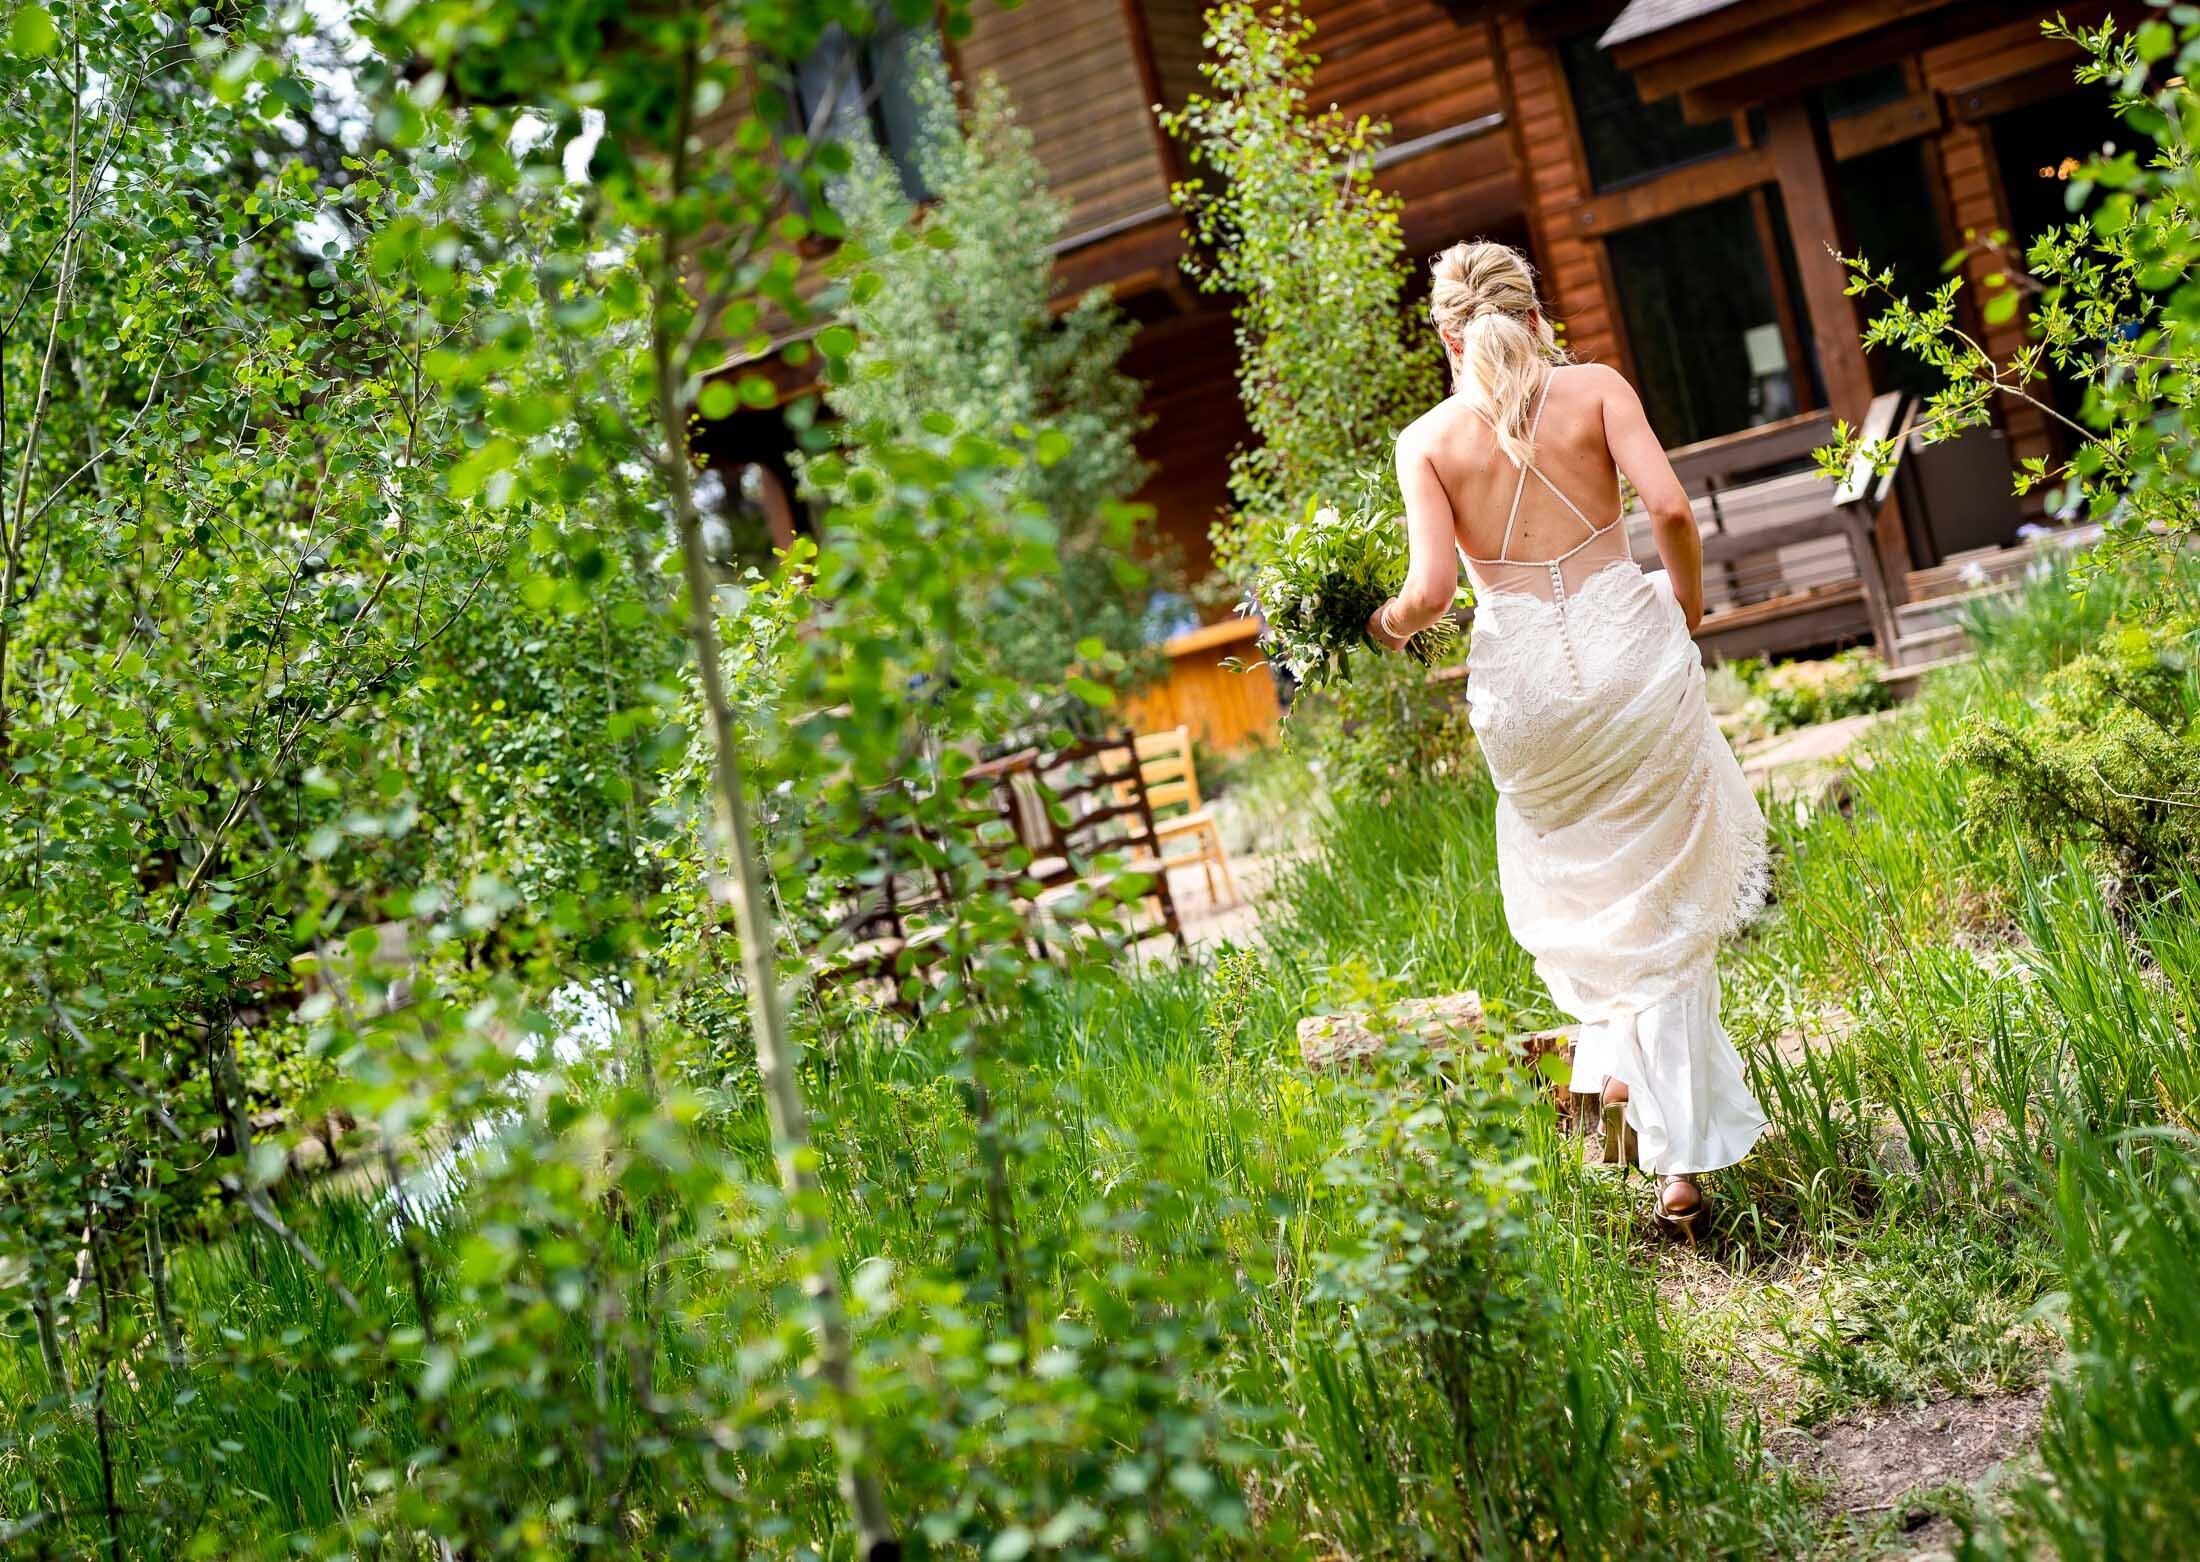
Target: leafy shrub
(1292, 227)
(1804, 693)
(2106, 756)
(956, 320)
(1385, 729)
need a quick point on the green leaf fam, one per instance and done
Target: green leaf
(717, 400)
(437, 1367)
(33, 33)
(1097, 695)
(293, 92)
(2002, 307)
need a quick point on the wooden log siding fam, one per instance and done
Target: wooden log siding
(1174, 31)
(1189, 368)
(1225, 707)
(1575, 281)
(1074, 72)
(1416, 63)
(1977, 208)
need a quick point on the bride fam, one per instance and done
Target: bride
(1627, 839)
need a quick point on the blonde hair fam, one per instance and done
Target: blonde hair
(1484, 297)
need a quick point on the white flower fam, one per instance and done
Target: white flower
(1326, 516)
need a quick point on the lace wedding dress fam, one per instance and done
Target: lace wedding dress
(1628, 841)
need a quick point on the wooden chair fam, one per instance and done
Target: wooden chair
(1091, 804)
(1172, 781)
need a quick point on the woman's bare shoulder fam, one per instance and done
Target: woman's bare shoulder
(1594, 380)
(1589, 374)
(1433, 427)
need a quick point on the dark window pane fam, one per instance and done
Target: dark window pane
(1866, 89)
(1890, 211)
(1623, 137)
(869, 90)
(1696, 295)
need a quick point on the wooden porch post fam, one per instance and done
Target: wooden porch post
(777, 506)
(1802, 160)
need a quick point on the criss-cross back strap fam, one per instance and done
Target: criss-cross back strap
(1594, 528)
(1512, 516)
(1504, 548)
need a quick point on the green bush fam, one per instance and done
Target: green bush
(955, 319)
(1293, 228)
(2121, 1444)
(1804, 693)
(2107, 756)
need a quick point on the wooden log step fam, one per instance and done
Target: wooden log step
(1339, 1040)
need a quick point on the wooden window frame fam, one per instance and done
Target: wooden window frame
(1749, 171)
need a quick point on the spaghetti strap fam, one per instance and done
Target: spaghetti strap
(1595, 530)
(1512, 515)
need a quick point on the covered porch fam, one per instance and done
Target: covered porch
(1699, 166)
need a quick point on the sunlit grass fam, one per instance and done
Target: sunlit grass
(1984, 1084)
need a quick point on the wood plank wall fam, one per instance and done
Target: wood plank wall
(1074, 73)
(1425, 68)
(1417, 63)
(1977, 206)
(1189, 367)
(1226, 707)
(1175, 29)
(1576, 285)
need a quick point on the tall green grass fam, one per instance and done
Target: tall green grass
(1424, 1327)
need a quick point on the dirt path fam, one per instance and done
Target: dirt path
(1891, 1472)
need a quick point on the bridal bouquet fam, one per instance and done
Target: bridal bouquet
(1323, 577)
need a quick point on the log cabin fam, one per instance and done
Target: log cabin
(1684, 173)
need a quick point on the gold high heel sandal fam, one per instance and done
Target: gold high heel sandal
(1614, 1130)
(1689, 1221)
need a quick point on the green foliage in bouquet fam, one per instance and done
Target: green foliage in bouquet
(2108, 757)
(1325, 574)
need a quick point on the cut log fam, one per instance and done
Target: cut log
(1336, 1040)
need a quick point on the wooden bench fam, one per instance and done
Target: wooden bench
(1789, 556)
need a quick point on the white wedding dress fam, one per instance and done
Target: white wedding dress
(1628, 841)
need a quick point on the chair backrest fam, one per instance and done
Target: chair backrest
(1165, 764)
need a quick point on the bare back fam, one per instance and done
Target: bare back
(1546, 529)
(1480, 481)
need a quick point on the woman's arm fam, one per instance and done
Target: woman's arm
(1637, 453)
(1432, 575)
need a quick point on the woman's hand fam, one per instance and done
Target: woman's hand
(1380, 635)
